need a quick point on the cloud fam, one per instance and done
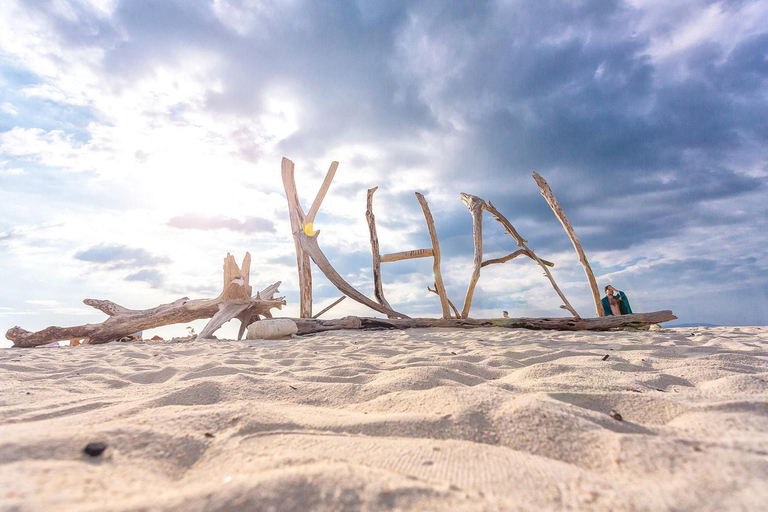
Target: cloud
(154, 277)
(249, 225)
(120, 256)
(648, 119)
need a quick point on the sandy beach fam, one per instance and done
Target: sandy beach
(422, 419)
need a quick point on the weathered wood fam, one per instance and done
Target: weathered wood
(475, 206)
(549, 196)
(298, 220)
(521, 242)
(606, 323)
(436, 258)
(321, 193)
(455, 311)
(406, 255)
(309, 246)
(378, 289)
(123, 321)
(227, 311)
(329, 307)
(512, 256)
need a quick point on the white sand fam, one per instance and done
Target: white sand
(485, 419)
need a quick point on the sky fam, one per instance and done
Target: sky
(141, 141)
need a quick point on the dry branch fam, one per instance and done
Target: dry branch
(476, 206)
(636, 320)
(123, 321)
(436, 259)
(512, 256)
(325, 310)
(455, 311)
(309, 246)
(406, 255)
(321, 193)
(549, 196)
(378, 289)
(298, 219)
(521, 242)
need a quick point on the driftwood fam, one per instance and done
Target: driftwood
(325, 310)
(234, 299)
(606, 323)
(309, 245)
(378, 290)
(529, 252)
(549, 196)
(476, 207)
(436, 257)
(305, 239)
(298, 220)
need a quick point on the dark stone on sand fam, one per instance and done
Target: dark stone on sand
(615, 415)
(95, 449)
(605, 357)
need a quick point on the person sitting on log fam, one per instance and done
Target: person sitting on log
(615, 302)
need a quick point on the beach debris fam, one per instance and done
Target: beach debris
(209, 434)
(305, 240)
(476, 207)
(95, 449)
(615, 415)
(329, 307)
(549, 197)
(606, 323)
(156, 338)
(605, 357)
(235, 301)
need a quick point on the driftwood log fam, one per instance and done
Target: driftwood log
(234, 301)
(606, 323)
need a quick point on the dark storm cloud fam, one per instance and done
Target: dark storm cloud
(120, 256)
(249, 225)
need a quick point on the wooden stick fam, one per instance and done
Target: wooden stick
(378, 289)
(407, 255)
(310, 246)
(321, 193)
(436, 261)
(298, 220)
(475, 205)
(549, 196)
(513, 256)
(455, 311)
(521, 242)
(606, 323)
(329, 307)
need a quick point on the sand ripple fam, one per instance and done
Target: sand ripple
(388, 420)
